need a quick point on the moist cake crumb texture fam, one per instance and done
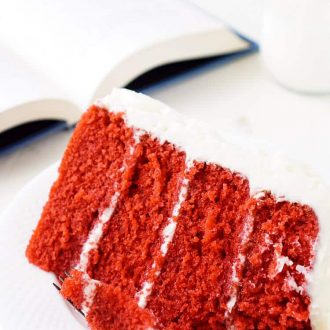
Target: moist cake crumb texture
(155, 240)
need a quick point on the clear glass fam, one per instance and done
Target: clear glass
(296, 43)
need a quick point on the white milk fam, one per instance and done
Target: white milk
(296, 43)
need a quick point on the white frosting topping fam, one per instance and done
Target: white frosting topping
(263, 169)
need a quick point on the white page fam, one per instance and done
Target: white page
(21, 83)
(77, 42)
(27, 95)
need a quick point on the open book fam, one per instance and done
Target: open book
(56, 57)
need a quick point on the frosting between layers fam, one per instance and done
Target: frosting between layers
(265, 171)
(167, 237)
(245, 236)
(90, 287)
(95, 235)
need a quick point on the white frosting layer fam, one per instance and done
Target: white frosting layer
(238, 264)
(144, 293)
(167, 237)
(263, 169)
(90, 287)
(95, 236)
(96, 233)
(169, 230)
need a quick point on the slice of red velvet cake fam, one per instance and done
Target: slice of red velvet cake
(164, 223)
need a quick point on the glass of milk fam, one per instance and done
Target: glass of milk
(296, 43)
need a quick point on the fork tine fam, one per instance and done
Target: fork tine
(61, 279)
(58, 288)
(78, 310)
(67, 274)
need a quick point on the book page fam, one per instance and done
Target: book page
(25, 93)
(77, 43)
(21, 84)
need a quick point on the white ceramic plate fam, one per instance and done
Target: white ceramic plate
(28, 300)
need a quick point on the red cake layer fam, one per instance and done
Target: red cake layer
(112, 309)
(83, 189)
(171, 243)
(283, 238)
(191, 291)
(132, 237)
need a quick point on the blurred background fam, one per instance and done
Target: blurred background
(280, 94)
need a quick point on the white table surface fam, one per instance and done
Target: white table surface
(242, 91)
